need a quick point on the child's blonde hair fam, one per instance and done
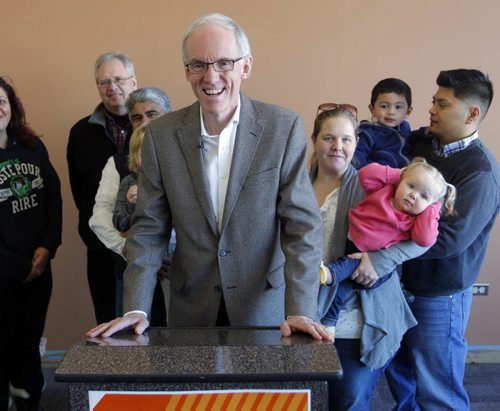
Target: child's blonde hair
(135, 150)
(447, 192)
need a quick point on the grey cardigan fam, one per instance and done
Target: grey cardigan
(387, 316)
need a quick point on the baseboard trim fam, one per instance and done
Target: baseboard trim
(483, 354)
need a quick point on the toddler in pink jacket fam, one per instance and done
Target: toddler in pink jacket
(400, 204)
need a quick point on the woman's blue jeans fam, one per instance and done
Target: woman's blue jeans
(355, 389)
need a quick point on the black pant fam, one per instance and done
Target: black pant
(23, 310)
(101, 279)
(222, 317)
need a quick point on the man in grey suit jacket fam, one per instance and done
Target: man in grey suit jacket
(229, 173)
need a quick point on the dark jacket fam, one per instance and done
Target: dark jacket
(30, 209)
(454, 262)
(89, 148)
(381, 144)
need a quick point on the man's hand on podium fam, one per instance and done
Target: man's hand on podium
(300, 323)
(137, 321)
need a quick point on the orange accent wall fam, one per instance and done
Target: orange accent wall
(305, 53)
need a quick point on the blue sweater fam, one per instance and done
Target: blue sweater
(381, 144)
(454, 262)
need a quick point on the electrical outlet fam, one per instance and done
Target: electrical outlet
(480, 290)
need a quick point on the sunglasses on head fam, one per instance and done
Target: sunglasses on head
(349, 108)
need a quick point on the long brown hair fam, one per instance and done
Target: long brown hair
(18, 126)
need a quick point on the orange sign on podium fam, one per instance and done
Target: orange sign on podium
(220, 400)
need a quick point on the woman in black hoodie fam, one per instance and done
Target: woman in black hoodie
(30, 232)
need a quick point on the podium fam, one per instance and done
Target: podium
(230, 365)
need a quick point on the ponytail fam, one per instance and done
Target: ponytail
(449, 200)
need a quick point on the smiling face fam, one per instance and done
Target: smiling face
(335, 145)
(390, 109)
(217, 92)
(5, 113)
(416, 191)
(114, 96)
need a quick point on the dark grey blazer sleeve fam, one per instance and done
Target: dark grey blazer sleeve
(301, 238)
(149, 235)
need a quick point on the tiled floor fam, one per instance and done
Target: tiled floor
(482, 381)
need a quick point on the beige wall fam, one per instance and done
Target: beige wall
(306, 53)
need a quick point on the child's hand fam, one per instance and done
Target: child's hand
(132, 193)
(325, 275)
(163, 274)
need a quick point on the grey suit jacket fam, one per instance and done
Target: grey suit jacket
(265, 259)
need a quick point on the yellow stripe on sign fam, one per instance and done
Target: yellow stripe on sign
(190, 403)
(206, 401)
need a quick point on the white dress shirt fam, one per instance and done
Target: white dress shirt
(217, 155)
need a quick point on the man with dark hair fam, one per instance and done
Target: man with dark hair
(92, 140)
(442, 278)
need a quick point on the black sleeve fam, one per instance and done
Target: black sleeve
(71, 154)
(53, 204)
(14, 268)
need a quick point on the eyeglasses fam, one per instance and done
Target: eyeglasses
(349, 108)
(119, 81)
(221, 66)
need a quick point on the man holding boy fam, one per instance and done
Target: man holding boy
(442, 278)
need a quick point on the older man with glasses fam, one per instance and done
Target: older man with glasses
(229, 172)
(92, 141)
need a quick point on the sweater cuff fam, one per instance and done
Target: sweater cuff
(135, 312)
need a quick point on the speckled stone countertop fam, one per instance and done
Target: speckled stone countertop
(200, 354)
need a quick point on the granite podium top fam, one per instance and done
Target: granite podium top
(200, 354)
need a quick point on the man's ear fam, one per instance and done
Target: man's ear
(408, 112)
(474, 114)
(247, 67)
